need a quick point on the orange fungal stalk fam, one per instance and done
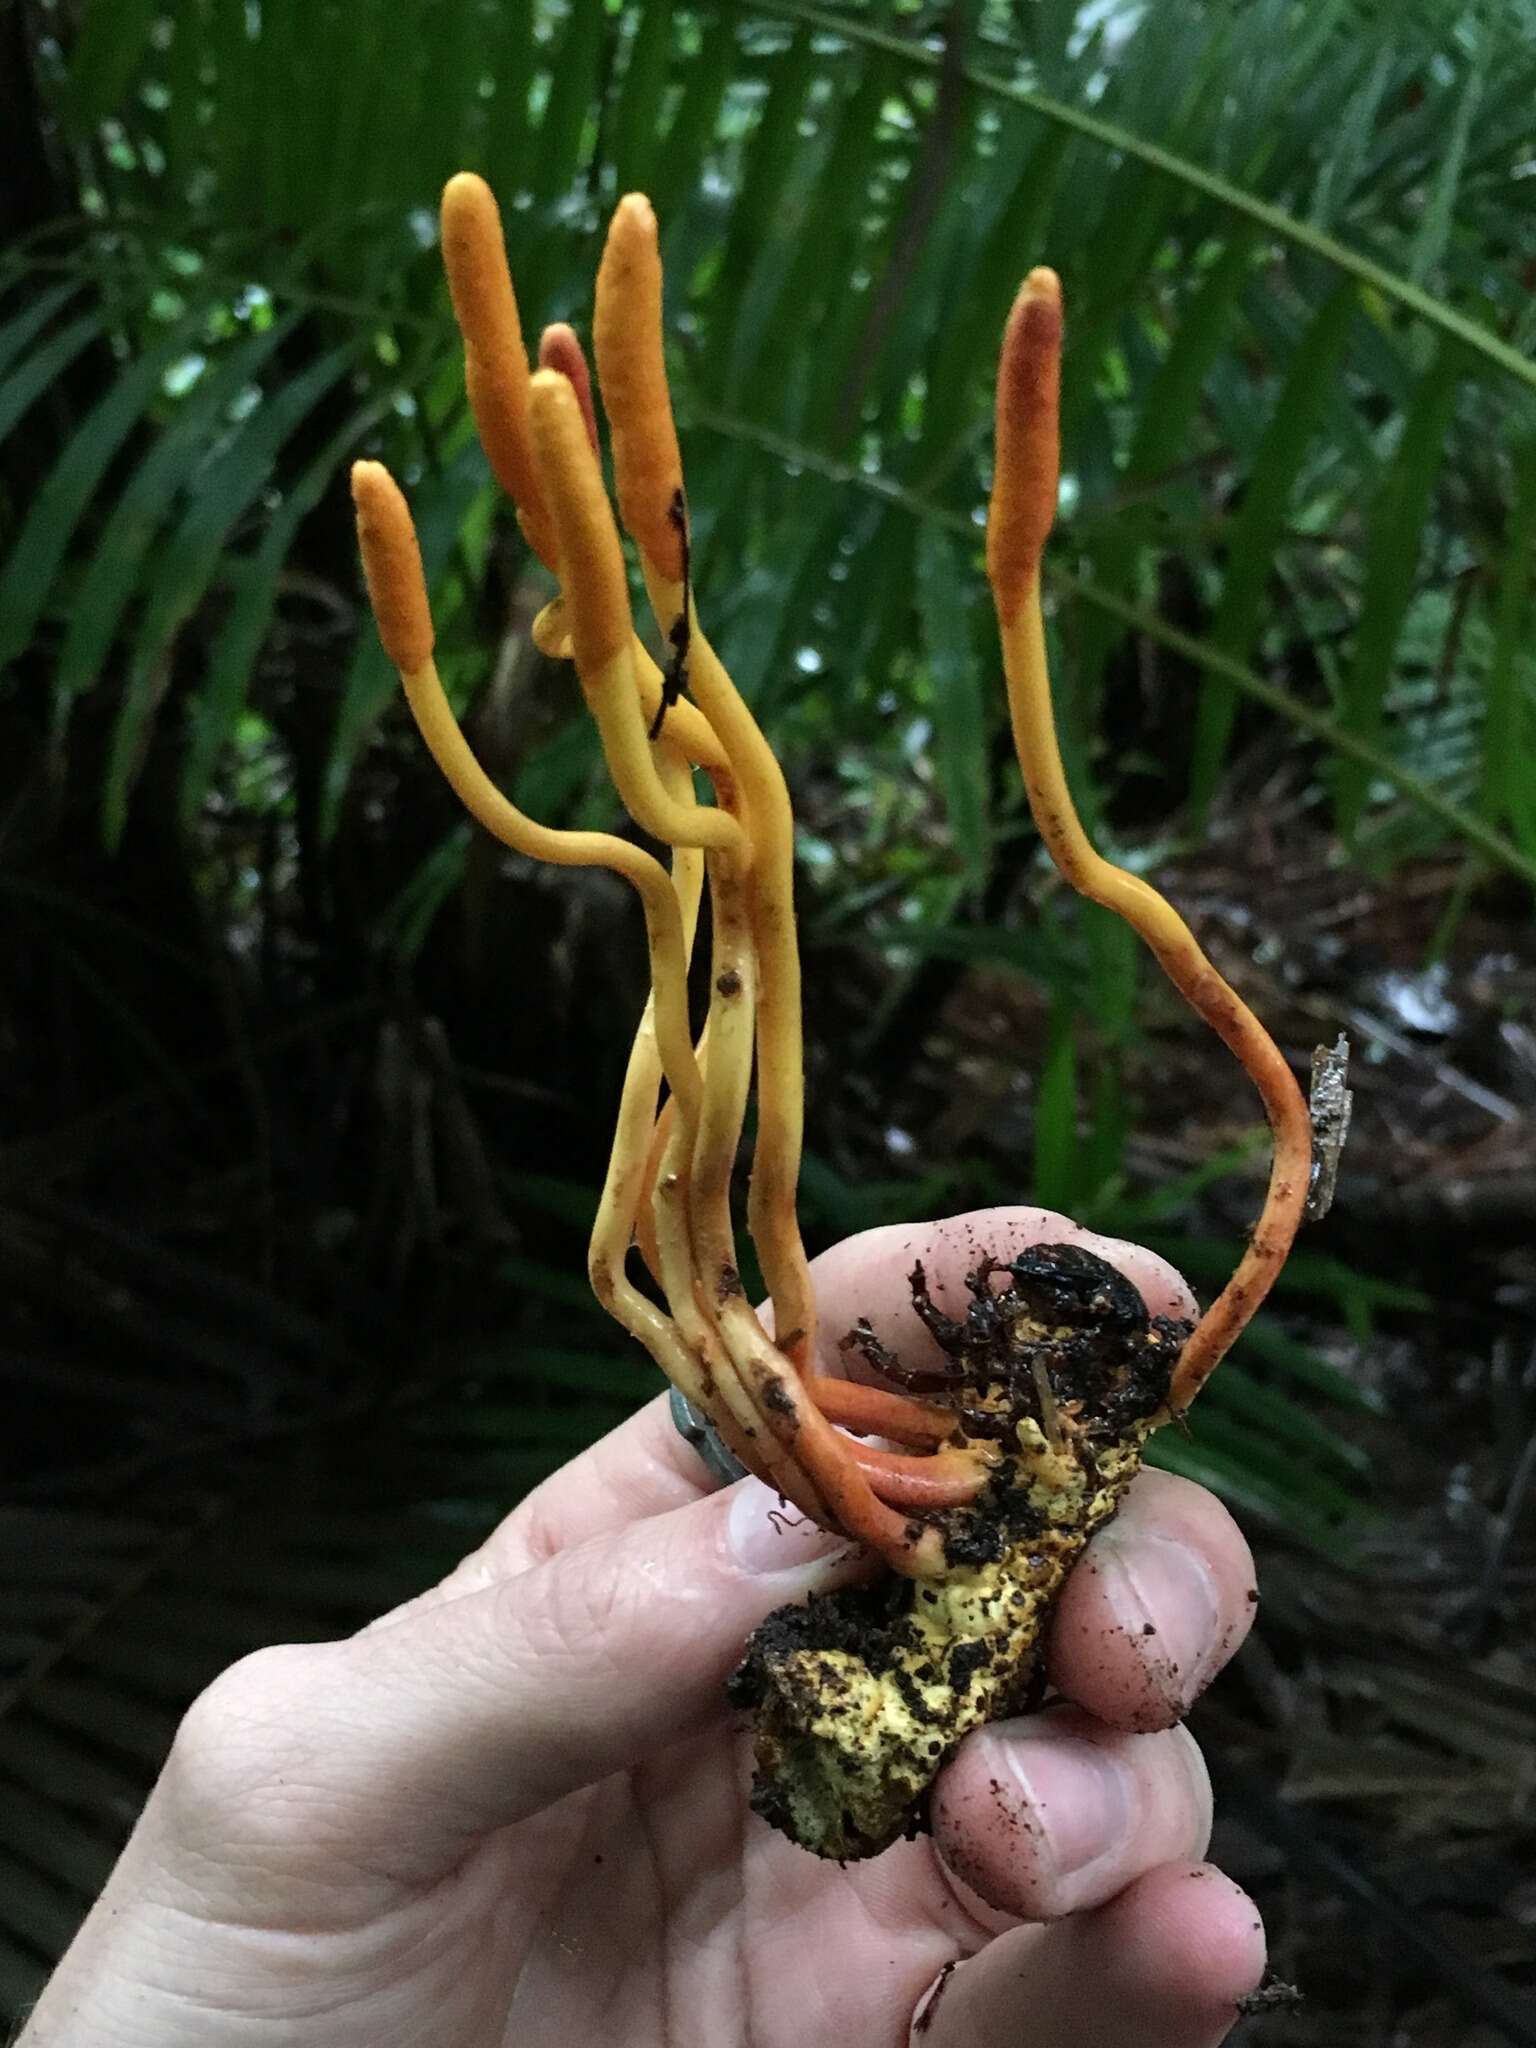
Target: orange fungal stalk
(1022, 510)
(821, 1440)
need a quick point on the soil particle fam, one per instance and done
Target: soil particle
(1271, 1996)
(924, 2019)
(965, 1659)
(864, 1621)
(912, 1697)
(778, 1397)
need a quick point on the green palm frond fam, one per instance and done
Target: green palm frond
(873, 195)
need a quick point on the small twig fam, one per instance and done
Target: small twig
(1330, 1102)
(1270, 1996)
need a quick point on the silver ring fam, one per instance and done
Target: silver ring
(695, 1428)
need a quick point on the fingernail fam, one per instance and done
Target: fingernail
(1079, 1793)
(766, 1534)
(1163, 1595)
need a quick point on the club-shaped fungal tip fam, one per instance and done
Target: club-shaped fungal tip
(397, 589)
(1027, 471)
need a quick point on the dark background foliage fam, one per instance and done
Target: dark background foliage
(307, 1087)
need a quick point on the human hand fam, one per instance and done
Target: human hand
(516, 1808)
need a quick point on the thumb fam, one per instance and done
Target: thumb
(461, 1718)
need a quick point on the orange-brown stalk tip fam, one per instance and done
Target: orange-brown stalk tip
(627, 338)
(560, 350)
(495, 360)
(1028, 455)
(475, 258)
(591, 559)
(397, 588)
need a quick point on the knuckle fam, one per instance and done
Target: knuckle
(571, 1613)
(239, 1737)
(1188, 1804)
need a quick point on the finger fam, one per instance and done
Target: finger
(1160, 1601)
(1162, 1965)
(867, 1276)
(462, 1717)
(1054, 1814)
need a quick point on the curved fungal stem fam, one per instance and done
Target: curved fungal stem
(756, 950)
(597, 606)
(627, 338)
(397, 589)
(672, 1164)
(1022, 512)
(875, 1411)
(940, 1479)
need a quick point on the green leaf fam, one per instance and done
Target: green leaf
(1305, 717)
(964, 351)
(1282, 1420)
(637, 126)
(41, 370)
(1288, 1358)
(58, 507)
(573, 88)
(1433, 237)
(1359, 115)
(17, 335)
(768, 160)
(1258, 527)
(961, 722)
(1163, 433)
(816, 246)
(706, 78)
(1347, 747)
(234, 653)
(1203, 328)
(1235, 1465)
(190, 49)
(1506, 790)
(44, 1912)
(510, 135)
(107, 52)
(1194, 178)
(111, 581)
(190, 557)
(1391, 563)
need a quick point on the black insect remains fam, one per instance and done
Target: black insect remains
(675, 680)
(1068, 1336)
